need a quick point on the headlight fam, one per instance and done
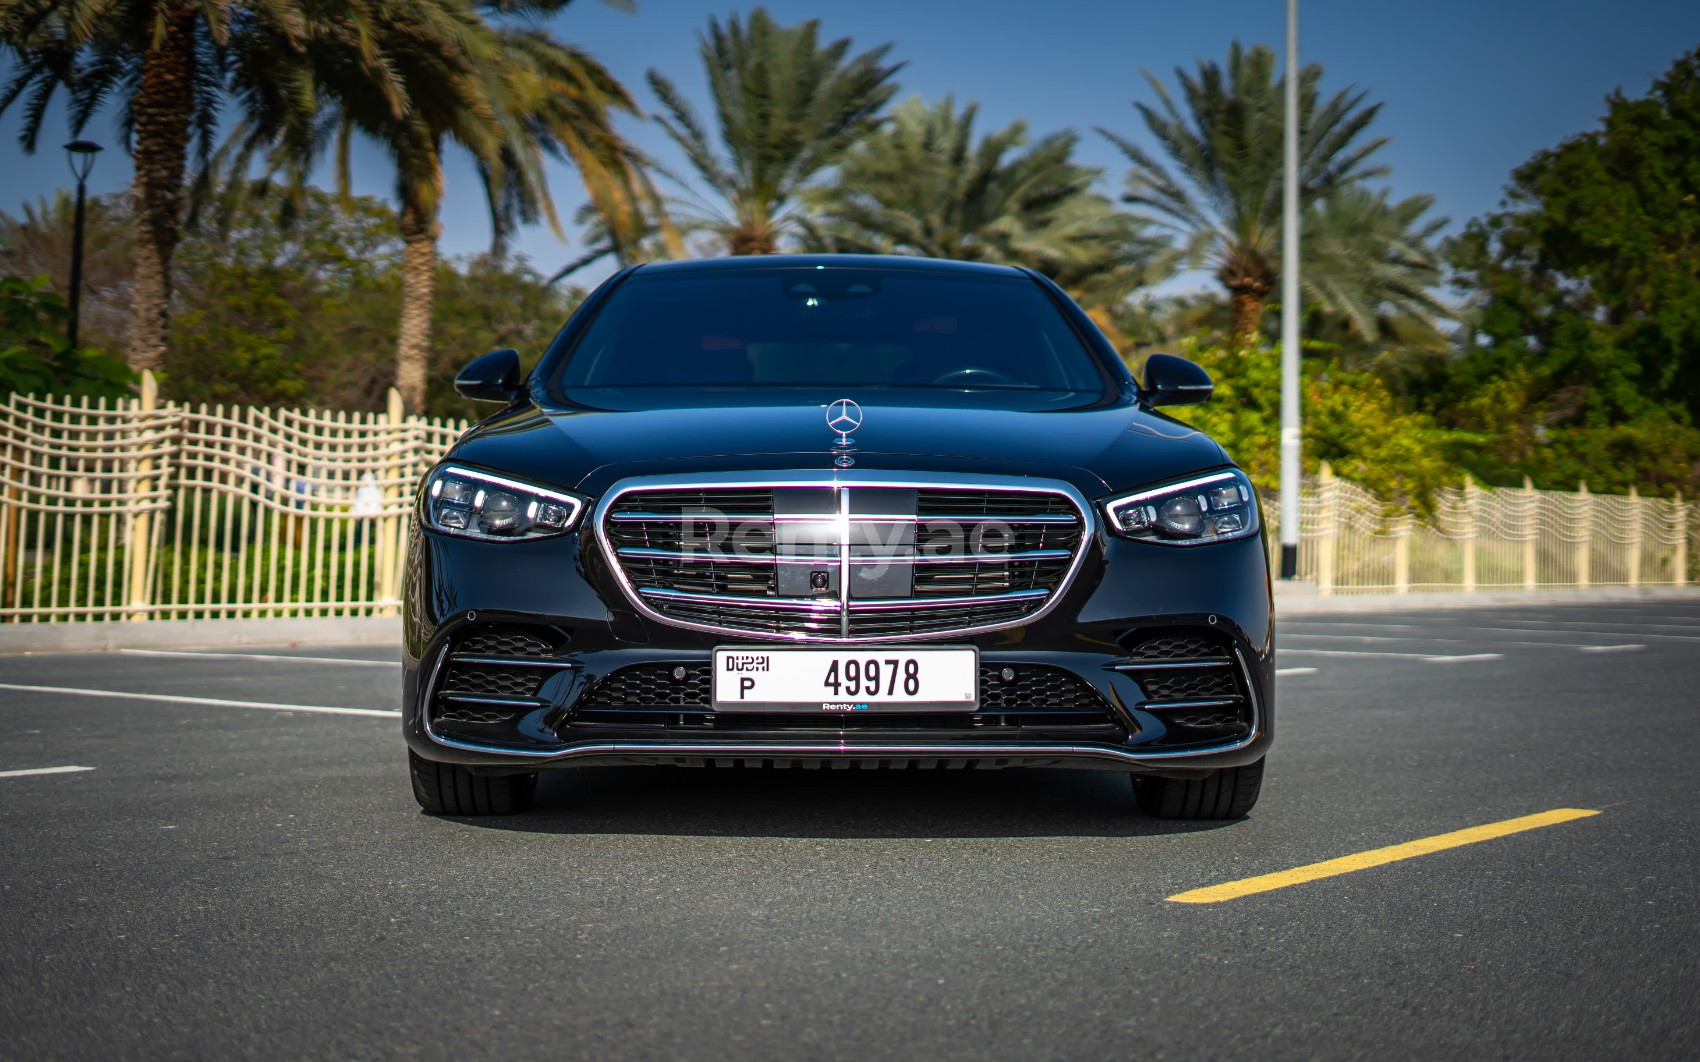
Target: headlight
(473, 504)
(1214, 507)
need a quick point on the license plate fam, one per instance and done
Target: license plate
(845, 680)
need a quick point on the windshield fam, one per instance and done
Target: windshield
(721, 334)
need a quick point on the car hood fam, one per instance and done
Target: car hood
(1098, 450)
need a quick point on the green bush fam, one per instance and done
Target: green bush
(203, 575)
(1350, 420)
(35, 356)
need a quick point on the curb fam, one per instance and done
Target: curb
(106, 636)
(1302, 599)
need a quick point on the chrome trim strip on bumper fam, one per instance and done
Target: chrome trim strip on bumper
(885, 604)
(864, 518)
(501, 702)
(870, 604)
(839, 478)
(1163, 706)
(645, 553)
(825, 606)
(509, 661)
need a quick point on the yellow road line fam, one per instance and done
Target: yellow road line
(1375, 857)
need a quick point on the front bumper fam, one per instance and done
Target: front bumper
(1127, 597)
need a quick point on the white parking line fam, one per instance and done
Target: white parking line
(43, 770)
(1587, 634)
(1378, 653)
(217, 702)
(1295, 671)
(1595, 621)
(1365, 637)
(1526, 630)
(213, 654)
(1284, 650)
(1368, 638)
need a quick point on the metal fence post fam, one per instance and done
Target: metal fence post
(389, 538)
(1634, 539)
(1531, 529)
(1325, 534)
(1469, 534)
(1681, 541)
(1584, 547)
(140, 544)
(10, 525)
(1402, 556)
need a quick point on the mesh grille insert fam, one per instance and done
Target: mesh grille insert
(492, 681)
(464, 714)
(1178, 646)
(509, 641)
(652, 686)
(1189, 685)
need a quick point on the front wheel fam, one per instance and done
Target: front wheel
(1227, 793)
(450, 789)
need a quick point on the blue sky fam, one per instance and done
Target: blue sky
(1470, 90)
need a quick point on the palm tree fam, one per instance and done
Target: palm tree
(1223, 196)
(922, 184)
(509, 95)
(167, 65)
(787, 107)
(1374, 263)
(653, 238)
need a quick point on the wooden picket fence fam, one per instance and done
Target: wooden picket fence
(133, 509)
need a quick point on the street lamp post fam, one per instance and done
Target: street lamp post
(81, 153)
(1290, 435)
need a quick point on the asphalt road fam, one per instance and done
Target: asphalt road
(235, 881)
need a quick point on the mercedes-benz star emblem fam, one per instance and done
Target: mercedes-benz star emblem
(844, 417)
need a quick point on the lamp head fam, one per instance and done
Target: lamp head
(82, 153)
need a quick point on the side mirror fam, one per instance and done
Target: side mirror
(1172, 381)
(492, 378)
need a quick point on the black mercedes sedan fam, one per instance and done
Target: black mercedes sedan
(836, 512)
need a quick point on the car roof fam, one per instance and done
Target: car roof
(828, 261)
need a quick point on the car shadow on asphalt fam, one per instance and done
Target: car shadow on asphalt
(768, 802)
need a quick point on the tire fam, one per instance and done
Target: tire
(1225, 794)
(450, 789)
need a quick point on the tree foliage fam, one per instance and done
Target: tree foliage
(787, 107)
(169, 68)
(1587, 300)
(506, 92)
(287, 314)
(1351, 421)
(923, 184)
(1220, 192)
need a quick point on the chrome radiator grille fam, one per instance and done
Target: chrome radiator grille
(922, 560)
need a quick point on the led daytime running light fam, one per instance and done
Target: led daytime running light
(470, 503)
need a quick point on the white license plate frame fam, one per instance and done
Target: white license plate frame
(751, 678)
